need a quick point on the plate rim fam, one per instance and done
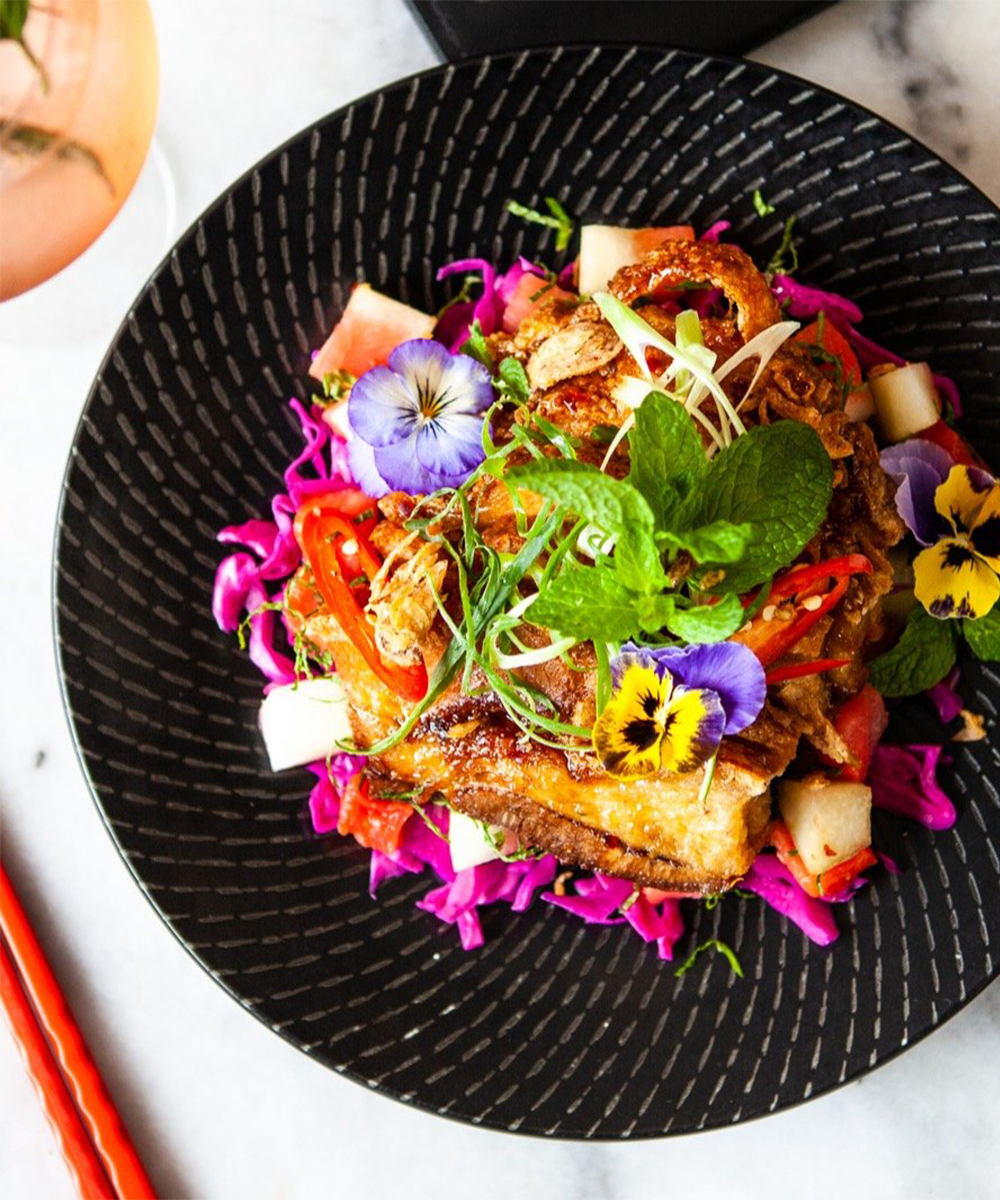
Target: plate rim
(348, 1072)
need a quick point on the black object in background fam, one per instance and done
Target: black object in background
(466, 28)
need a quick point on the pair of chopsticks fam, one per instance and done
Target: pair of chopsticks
(90, 1133)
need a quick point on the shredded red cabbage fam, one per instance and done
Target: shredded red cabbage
(604, 900)
(904, 781)
(945, 698)
(714, 232)
(805, 302)
(489, 309)
(775, 884)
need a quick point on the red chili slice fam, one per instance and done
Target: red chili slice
(323, 532)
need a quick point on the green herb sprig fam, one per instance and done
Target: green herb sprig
(712, 944)
(557, 219)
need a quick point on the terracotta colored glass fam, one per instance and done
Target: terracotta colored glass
(75, 127)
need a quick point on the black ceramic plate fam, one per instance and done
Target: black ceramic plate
(553, 1027)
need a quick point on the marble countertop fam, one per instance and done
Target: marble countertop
(219, 1106)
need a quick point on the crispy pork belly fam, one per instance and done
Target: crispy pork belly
(655, 830)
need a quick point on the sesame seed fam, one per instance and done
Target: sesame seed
(769, 611)
(811, 603)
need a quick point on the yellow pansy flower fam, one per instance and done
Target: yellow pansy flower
(959, 576)
(652, 724)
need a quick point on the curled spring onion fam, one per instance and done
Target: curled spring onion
(638, 335)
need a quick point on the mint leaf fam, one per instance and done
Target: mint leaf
(698, 623)
(778, 479)
(586, 603)
(668, 459)
(513, 380)
(637, 561)
(983, 635)
(653, 613)
(475, 346)
(708, 622)
(611, 504)
(920, 659)
(720, 542)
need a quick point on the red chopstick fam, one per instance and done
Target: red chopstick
(68, 1061)
(74, 1141)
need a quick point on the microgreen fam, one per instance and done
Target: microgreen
(557, 219)
(712, 944)
(305, 650)
(336, 385)
(511, 381)
(761, 206)
(475, 346)
(788, 248)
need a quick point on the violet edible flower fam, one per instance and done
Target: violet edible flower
(729, 669)
(418, 422)
(918, 468)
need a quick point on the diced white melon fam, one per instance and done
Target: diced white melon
(304, 722)
(906, 401)
(468, 842)
(829, 820)
(604, 249)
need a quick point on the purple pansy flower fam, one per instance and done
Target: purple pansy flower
(727, 668)
(418, 422)
(918, 468)
(671, 706)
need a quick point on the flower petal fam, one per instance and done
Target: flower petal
(382, 408)
(361, 460)
(894, 459)
(693, 729)
(961, 496)
(464, 387)
(727, 668)
(628, 732)
(950, 581)
(986, 529)
(420, 362)
(450, 446)
(400, 468)
(918, 467)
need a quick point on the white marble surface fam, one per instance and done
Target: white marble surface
(218, 1105)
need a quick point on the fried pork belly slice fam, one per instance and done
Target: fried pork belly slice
(654, 831)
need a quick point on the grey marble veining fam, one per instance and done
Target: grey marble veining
(218, 1105)
(923, 64)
